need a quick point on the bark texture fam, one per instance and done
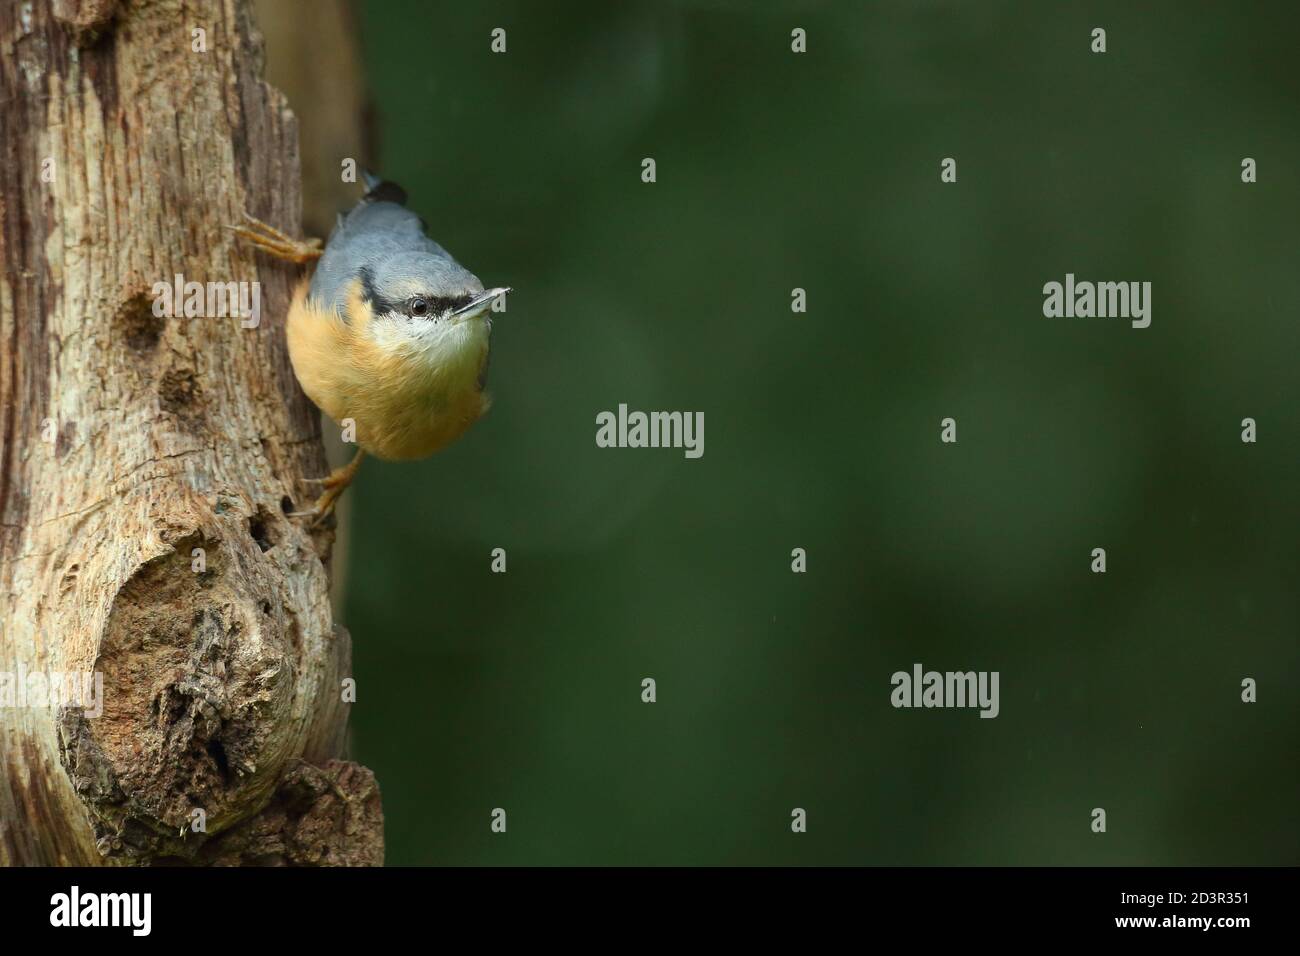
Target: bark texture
(147, 464)
(317, 60)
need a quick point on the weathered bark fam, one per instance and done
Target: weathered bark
(317, 60)
(170, 436)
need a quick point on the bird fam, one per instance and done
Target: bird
(389, 333)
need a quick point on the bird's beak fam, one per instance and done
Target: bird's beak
(479, 304)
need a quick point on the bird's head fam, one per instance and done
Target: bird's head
(424, 295)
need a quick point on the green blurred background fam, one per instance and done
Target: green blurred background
(821, 171)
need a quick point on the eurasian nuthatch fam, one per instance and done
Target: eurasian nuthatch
(390, 332)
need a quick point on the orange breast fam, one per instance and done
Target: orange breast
(404, 405)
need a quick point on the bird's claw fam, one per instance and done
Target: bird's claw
(272, 241)
(334, 484)
(321, 510)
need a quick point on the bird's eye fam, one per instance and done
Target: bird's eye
(419, 307)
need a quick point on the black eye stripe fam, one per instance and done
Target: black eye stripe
(440, 304)
(437, 304)
(378, 304)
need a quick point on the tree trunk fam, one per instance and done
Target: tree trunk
(316, 60)
(147, 463)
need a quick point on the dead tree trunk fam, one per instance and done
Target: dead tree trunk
(147, 463)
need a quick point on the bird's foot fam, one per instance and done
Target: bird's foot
(274, 242)
(323, 507)
(334, 484)
(333, 480)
